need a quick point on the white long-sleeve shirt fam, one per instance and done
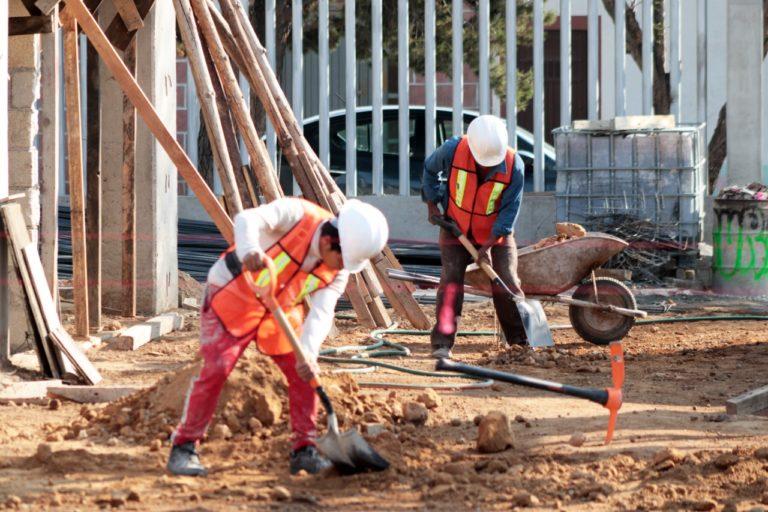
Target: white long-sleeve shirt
(256, 230)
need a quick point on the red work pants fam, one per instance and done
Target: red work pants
(220, 353)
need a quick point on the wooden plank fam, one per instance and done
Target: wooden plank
(130, 14)
(749, 402)
(139, 335)
(150, 116)
(66, 344)
(27, 390)
(91, 394)
(16, 231)
(595, 124)
(93, 188)
(355, 296)
(46, 6)
(75, 175)
(128, 196)
(118, 34)
(26, 25)
(32, 8)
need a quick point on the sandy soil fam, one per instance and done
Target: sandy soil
(674, 448)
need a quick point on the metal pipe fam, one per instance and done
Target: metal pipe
(593, 64)
(429, 76)
(538, 95)
(324, 86)
(674, 56)
(510, 24)
(484, 42)
(620, 45)
(269, 36)
(647, 47)
(377, 135)
(565, 62)
(457, 47)
(350, 65)
(297, 75)
(403, 117)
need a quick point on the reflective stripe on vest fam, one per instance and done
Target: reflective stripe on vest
(461, 187)
(281, 262)
(498, 188)
(311, 284)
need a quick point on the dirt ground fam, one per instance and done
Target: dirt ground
(674, 448)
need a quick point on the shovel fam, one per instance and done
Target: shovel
(610, 398)
(348, 451)
(531, 312)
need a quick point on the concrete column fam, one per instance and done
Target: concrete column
(744, 78)
(5, 348)
(156, 181)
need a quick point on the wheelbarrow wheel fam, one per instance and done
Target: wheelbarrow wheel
(598, 326)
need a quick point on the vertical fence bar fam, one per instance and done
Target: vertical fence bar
(377, 72)
(565, 62)
(484, 42)
(620, 44)
(350, 66)
(647, 58)
(324, 85)
(674, 57)
(538, 95)
(403, 117)
(701, 61)
(269, 34)
(297, 62)
(593, 62)
(429, 76)
(457, 48)
(510, 26)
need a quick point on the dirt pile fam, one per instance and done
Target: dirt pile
(584, 360)
(253, 403)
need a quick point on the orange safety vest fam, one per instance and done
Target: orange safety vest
(243, 314)
(475, 208)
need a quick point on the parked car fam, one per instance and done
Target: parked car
(443, 131)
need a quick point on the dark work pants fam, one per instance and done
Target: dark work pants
(450, 294)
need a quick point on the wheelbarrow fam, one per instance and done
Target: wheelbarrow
(601, 309)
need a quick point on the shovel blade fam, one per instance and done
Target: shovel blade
(350, 453)
(535, 323)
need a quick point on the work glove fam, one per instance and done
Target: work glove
(307, 370)
(433, 211)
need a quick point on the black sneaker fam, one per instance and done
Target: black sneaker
(308, 459)
(184, 461)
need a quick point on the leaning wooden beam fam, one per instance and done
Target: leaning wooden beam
(46, 6)
(75, 174)
(155, 124)
(128, 194)
(130, 14)
(207, 96)
(255, 146)
(118, 33)
(93, 189)
(25, 25)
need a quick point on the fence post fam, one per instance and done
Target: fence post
(350, 66)
(538, 95)
(403, 114)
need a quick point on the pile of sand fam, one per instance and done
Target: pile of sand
(254, 402)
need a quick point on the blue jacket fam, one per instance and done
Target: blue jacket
(434, 185)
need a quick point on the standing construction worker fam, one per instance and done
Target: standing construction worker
(313, 252)
(478, 181)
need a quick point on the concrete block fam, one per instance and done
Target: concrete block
(27, 390)
(139, 335)
(22, 128)
(24, 88)
(24, 52)
(23, 168)
(92, 394)
(748, 403)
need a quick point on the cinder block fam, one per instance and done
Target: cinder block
(30, 206)
(25, 88)
(24, 52)
(22, 127)
(23, 169)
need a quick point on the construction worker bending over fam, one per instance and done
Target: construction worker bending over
(483, 194)
(314, 252)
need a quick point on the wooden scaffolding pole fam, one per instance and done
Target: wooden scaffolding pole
(147, 112)
(75, 174)
(208, 103)
(128, 195)
(93, 194)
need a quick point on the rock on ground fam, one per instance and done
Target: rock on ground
(494, 434)
(415, 412)
(430, 399)
(577, 439)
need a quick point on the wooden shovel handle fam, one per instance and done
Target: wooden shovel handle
(452, 228)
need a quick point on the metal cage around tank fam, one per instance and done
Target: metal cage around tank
(654, 175)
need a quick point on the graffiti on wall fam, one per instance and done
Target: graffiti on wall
(740, 242)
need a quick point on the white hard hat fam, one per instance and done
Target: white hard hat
(487, 137)
(363, 233)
